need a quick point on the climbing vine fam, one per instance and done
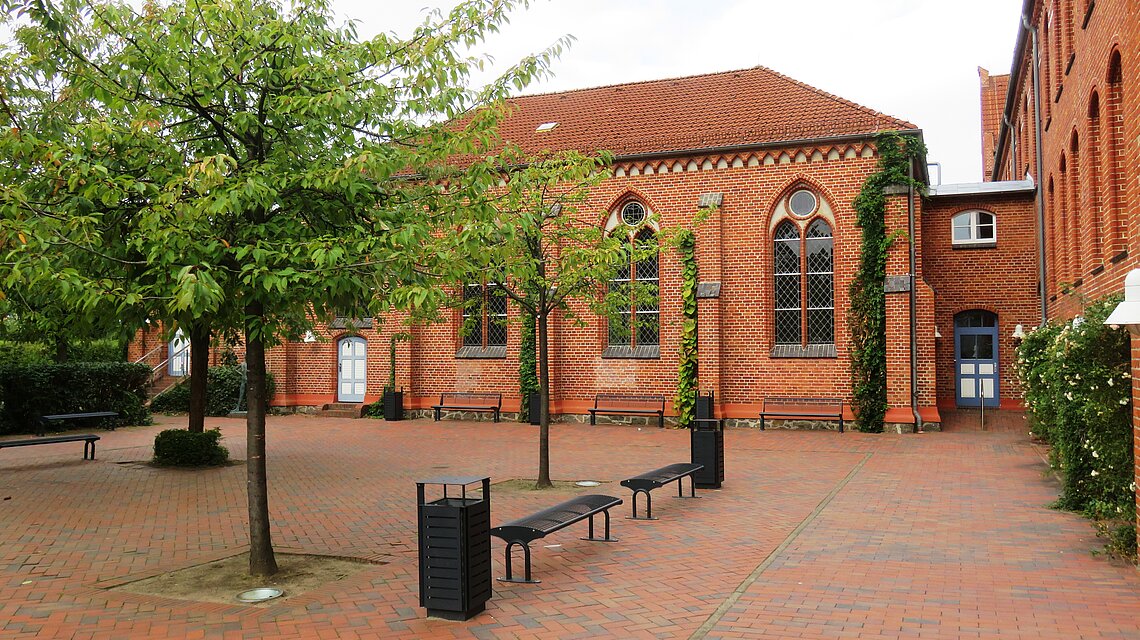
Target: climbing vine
(868, 316)
(687, 378)
(528, 361)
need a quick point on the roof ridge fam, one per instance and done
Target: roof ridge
(836, 98)
(633, 83)
(760, 68)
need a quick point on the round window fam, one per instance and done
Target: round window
(633, 214)
(802, 203)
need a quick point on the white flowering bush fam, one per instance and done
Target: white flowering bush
(1078, 391)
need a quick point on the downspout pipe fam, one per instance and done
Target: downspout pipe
(1041, 266)
(913, 301)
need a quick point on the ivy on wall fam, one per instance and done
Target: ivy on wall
(687, 374)
(867, 319)
(528, 366)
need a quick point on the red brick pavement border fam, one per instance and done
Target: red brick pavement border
(814, 535)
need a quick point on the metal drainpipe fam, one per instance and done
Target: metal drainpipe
(1041, 266)
(913, 302)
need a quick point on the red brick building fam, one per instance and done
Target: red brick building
(785, 161)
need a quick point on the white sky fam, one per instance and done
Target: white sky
(913, 59)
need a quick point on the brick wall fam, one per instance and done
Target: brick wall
(1002, 280)
(993, 91)
(734, 247)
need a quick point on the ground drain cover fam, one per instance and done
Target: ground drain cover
(259, 595)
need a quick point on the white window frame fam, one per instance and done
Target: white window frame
(973, 227)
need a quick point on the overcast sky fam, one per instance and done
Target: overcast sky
(913, 59)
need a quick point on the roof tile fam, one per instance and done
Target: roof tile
(745, 107)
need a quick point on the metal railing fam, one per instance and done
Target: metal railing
(154, 371)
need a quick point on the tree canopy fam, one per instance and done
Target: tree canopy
(249, 163)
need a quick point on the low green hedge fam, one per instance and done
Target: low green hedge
(26, 353)
(29, 391)
(222, 387)
(182, 448)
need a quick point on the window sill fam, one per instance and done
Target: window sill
(476, 353)
(974, 245)
(341, 322)
(810, 351)
(648, 352)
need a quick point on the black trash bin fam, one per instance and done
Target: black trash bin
(705, 406)
(393, 404)
(534, 407)
(455, 548)
(706, 445)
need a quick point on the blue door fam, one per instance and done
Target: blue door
(352, 361)
(976, 349)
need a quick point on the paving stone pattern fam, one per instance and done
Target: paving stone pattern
(814, 535)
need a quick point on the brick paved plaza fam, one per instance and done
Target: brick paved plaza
(814, 535)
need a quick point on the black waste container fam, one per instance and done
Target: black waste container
(393, 404)
(705, 406)
(534, 407)
(706, 444)
(455, 548)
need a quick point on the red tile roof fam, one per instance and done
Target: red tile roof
(745, 107)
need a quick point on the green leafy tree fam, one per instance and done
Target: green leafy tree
(547, 254)
(250, 165)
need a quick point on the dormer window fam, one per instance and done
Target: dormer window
(974, 228)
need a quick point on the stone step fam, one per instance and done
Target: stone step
(335, 413)
(342, 410)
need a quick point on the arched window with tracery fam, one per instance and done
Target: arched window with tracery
(634, 326)
(820, 286)
(786, 252)
(803, 275)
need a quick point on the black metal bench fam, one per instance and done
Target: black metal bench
(62, 417)
(623, 404)
(523, 531)
(799, 408)
(87, 438)
(651, 480)
(469, 401)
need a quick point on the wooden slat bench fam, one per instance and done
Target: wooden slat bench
(63, 417)
(469, 401)
(87, 438)
(801, 408)
(623, 404)
(651, 480)
(523, 531)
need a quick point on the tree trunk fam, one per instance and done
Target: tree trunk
(544, 394)
(261, 560)
(199, 369)
(61, 347)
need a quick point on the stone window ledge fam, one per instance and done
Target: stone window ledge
(646, 352)
(810, 351)
(473, 353)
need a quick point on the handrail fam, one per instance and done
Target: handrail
(148, 354)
